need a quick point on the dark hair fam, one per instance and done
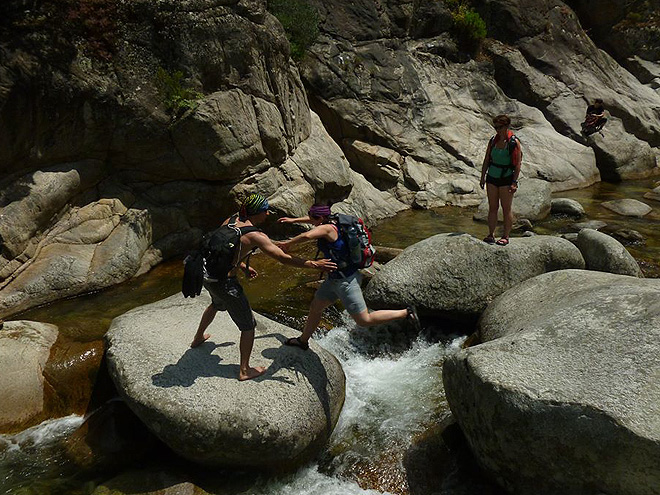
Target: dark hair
(598, 100)
(501, 120)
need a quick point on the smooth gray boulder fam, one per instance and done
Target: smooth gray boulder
(192, 400)
(604, 253)
(24, 350)
(457, 275)
(628, 207)
(563, 396)
(566, 206)
(533, 201)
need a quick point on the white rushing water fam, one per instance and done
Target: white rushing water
(390, 397)
(34, 453)
(388, 400)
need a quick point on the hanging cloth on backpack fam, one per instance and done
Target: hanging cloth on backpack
(219, 254)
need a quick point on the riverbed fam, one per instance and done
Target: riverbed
(394, 397)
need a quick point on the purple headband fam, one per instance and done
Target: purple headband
(319, 211)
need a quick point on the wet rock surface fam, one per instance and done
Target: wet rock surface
(567, 206)
(561, 397)
(24, 350)
(192, 400)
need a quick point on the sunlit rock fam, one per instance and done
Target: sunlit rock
(563, 396)
(457, 275)
(192, 399)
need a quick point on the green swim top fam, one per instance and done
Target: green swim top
(500, 165)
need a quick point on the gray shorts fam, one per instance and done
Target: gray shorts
(227, 295)
(347, 290)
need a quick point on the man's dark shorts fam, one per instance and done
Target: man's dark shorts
(227, 295)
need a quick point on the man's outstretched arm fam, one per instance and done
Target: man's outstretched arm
(263, 242)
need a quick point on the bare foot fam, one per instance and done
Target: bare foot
(196, 341)
(251, 373)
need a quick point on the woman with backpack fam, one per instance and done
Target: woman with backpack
(499, 173)
(343, 283)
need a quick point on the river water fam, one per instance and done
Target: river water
(394, 395)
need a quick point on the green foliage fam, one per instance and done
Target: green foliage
(634, 17)
(467, 22)
(177, 97)
(300, 21)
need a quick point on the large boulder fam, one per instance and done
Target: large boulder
(604, 253)
(457, 275)
(533, 201)
(562, 397)
(24, 350)
(620, 155)
(192, 400)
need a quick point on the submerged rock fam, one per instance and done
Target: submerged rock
(628, 207)
(604, 253)
(589, 224)
(563, 396)
(628, 236)
(191, 398)
(457, 275)
(149, 482)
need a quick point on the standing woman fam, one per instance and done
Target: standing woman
(499, 173)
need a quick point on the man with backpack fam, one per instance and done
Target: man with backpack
(336, 237)
(227, 250)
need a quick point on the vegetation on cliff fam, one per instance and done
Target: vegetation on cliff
(469, 26)
(300, 21)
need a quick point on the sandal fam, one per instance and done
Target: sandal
(296, 342)
(414, 318)
(503, 241)
(489, 239)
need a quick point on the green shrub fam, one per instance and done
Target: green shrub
(300, 21)
(634, 17)
(468, 23)
(177, 97)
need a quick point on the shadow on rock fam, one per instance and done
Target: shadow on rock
(297, 361)
(195, 363)
(441, 462)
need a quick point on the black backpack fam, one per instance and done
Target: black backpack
(217, 257)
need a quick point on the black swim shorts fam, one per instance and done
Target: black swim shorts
(501, 181)
(227, 295)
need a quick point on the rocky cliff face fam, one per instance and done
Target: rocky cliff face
(100, 181)
(395, 78)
